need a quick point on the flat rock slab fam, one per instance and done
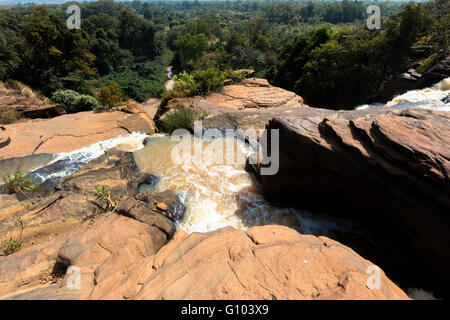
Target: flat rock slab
(70, 132)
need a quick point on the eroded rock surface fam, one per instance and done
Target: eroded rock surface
(159, 209)
(251, 93)
(388, 168)
(74, 200)
(118, 258)
(71, 132)
(104, 252)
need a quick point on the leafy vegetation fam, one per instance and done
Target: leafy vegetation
(13, 245)
(103, 194)
(18, 182)
(340, 69)
(199, 82)
(234, 76)
(12, 84)
(110, 96)
(182, 118)
(72, 101)
(319, 49)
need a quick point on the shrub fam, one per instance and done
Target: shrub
(110, 96)
(235, 76)
(104, 194)
(427, 64)
(184, 85)
(8, 115)
(12, 84)
(199, 82)
(72, 101)
(207, 80)
(66, 98)
(88, 102)
(19, 183)
(12, 246)
(182, 118)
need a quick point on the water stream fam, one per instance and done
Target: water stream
(218, 194)
(436, 98)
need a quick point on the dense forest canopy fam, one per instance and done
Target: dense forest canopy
(321, 50)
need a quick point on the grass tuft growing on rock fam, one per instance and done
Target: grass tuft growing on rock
(182, 118)
(14, 245)
(103, 194)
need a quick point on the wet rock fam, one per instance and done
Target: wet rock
(159, 209)
(412, 80)
(146, 213)
(175, 209)
(446, 99)
(25, 164)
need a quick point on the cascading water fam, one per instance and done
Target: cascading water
(64, 164)
(218, 194)
(436, 97)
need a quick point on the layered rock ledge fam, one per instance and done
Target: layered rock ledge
(388, 168)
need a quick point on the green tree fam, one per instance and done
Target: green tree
(110, 96)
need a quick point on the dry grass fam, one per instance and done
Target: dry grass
(8, 115)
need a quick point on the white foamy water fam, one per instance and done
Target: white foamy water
(219, 195)
(74, 160)
(428, 98)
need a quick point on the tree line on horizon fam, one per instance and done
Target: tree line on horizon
(321, 50)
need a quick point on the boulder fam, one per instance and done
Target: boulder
(28, 103)
(436, 73)
(165, 202)
(141, 209)
(121, 258)
(248, 73)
